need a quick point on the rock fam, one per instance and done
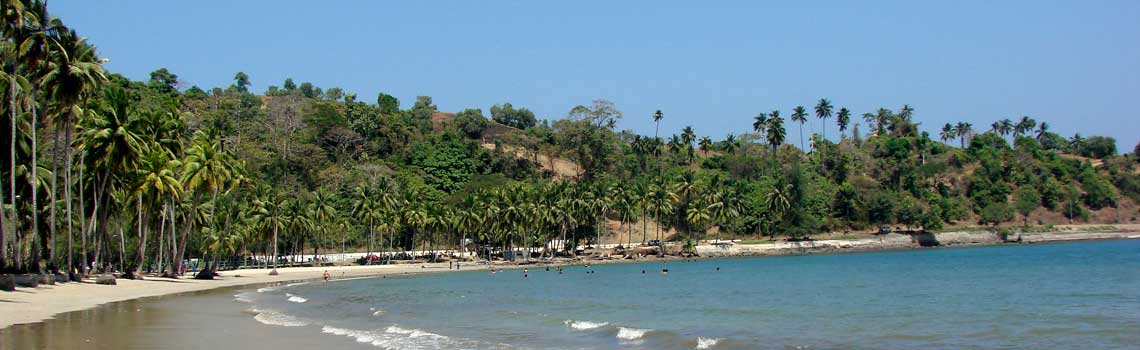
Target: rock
(47, 279)
(61, 278)
(7, 283)
(106, 280)
(29, 281)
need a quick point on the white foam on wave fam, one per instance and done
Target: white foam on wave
(584, 325)
(266, 289)
(706, 343)
(279, 319)
(296, 284)
(244, 297)
(296, 299)
(375, 311)
(395, 337)
(631, 334)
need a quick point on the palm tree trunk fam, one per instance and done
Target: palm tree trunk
(15, 219)
(47, 254)
(52, 199)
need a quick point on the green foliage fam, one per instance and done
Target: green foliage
(1026, 199)
(447, 161)
(388, 104)
(506, 114)
(1097, 147)
(1099, 193)
(996, 213)
(471, 122)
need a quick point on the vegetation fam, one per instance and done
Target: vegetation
(108, 174)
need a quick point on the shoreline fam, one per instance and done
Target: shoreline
(27, 305)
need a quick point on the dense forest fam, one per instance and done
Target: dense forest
(103, 173)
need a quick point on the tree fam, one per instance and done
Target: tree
(506, 114)
(996, 213)
(799, 115)
(164, 80)
(823, 111)
(843, 118)
(1097, 147)
(241, 82)
(423, 108)
(472, 122)
(388, 104)
(948, 132)
(1027, 200)
(776, 130)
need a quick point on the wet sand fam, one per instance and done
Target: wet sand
(196, 320)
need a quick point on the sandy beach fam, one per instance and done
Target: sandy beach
(27, 305)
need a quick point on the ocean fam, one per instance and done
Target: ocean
(1077, 295)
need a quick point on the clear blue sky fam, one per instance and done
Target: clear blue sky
(1074, 64)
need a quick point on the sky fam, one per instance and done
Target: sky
(711, 65)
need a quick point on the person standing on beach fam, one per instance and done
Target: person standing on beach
(327, 276)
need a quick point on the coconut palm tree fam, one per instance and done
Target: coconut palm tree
(799, 115)
(843, 118)
(687, 138)
(731, 144)
(776, 132)
(706, 145)
(948, 132)
(1042, 129)
(964, 130)
(1024, 126)
(823, 111)
(324, 212)
(206, 169)
(777, 203)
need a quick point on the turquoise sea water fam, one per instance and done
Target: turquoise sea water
(1082, 295)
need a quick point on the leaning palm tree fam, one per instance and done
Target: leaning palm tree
(823, 111)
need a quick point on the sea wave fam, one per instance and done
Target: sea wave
(296, 299)
(706, 343)
(375, 311)
(395, 337)
(631, 334)
(266, 289)
(244, 297)
(279, 319)
(584, 325)
(296, 284)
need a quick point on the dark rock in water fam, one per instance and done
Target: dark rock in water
(7, 283)
(61, 278)
(106, 280)
(47, 280)
(29, 281)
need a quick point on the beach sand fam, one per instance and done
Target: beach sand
(27, 305)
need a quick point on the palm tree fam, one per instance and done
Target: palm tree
(948, 132)
(964, 130)
(269, 213)
(206, 168)
(1024, 126)
(1042, 129)
(776, 132)
(760, 123)
(687, 138)
(158, 180)
(73, 73)
(731, 144)
(777, 202)
(799, 115)
(324, 211)
(843, 118)
(660, 201)
(706, 145)
(823, 111)
(365, 208)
